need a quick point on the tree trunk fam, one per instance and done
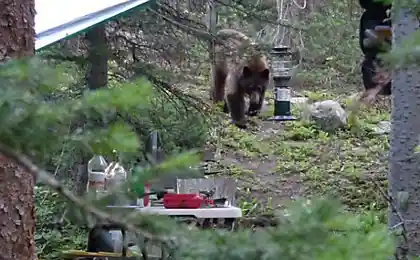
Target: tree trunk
(97, 73)
(211, 23)
(404, 174)
(17, 211)
(81, 178)
(96, 77)
(17, 34)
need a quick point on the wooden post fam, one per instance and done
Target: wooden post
(211, 23)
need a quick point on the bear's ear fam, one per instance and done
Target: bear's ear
(246, 72)
(265, 74)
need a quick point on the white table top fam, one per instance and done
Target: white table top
(222, 212)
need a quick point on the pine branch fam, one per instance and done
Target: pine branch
(48, 179)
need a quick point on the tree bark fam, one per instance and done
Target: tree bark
(97, 73)
(17, 211)
(82, 177)
(17, 33)
(404, 176)
(211, 23)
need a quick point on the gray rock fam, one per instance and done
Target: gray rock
(329, 115)
(383, 127)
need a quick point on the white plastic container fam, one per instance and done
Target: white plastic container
(96, 174)
(97, 164)
(115, 175)
(117, 240)
(96, 182)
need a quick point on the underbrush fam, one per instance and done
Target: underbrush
(330, 50)
(54, 232)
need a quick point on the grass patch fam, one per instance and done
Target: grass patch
(348, 164)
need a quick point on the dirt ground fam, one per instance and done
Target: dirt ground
(261, 182)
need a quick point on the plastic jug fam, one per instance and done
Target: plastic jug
(115, 175)
(96, 174)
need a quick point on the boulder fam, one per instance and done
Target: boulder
(383, 127)
(329, 115)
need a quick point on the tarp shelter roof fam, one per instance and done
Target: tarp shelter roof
(59, 19)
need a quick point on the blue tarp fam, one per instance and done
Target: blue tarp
(59, 19)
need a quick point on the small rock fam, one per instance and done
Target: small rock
(354, 96)
(383, 127)
(299, 100)
(329, 115)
